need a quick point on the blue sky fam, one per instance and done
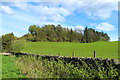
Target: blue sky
(99, 15)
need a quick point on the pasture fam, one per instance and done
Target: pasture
(9, 68)
(103, 49)
(31, 67)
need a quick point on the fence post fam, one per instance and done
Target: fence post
(73, 54)
(49, 54)
(94, 54)
(58, 54)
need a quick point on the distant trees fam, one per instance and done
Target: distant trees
(52, 33)
(57, 33)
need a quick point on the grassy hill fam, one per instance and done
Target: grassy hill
(103, 49)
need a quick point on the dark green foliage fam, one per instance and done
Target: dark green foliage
(27, 37)
(0, 44)
(10, 43)
(33, 29)
(17, 45)
(7, 41)
(42, 68)
(86, 37)
(57, 33)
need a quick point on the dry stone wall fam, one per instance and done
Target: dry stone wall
(72, 59)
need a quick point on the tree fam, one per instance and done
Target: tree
(0, 44)
(71, 35)
(59, 33)
(33, 30)
(17, 45)
(54, 33)
(7, 41)
(86, 34)
(26, 37)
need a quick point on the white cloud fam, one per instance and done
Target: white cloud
(57, 11)
(105, 26)
(41, 10)
(57, 18)
(44, 12)
(6, 10)
(79, 27)
(93, 9)
(102, 10)
(93, 24)
(21, 5)
(56, 14)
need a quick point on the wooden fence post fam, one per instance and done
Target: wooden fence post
(58, 54)
(41, 53)
(94, 54)
(73, 54)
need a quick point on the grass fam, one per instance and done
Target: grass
(9, 68)
(103, 49)
(32, 67)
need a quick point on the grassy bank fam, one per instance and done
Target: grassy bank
(9, 67)
(103, 49)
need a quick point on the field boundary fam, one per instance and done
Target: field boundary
(71, 59)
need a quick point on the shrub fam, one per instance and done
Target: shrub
(7, 41)
(0, 44)
(17, 45)
(42, 68)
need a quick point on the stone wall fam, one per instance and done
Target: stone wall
(73, 60)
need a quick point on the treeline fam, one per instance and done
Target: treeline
(51, 33)
(57, 33)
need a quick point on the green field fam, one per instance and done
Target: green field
(103, 49)
(9, 68)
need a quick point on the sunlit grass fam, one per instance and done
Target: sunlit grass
(103, 49)
(9, 68)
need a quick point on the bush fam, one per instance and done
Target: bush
(7, 40)
(17, 45)
(34, 67)
(0, 44)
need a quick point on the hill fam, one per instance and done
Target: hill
(103, 49)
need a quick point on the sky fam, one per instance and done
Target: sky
(17, 16)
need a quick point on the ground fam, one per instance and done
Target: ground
(9, 68)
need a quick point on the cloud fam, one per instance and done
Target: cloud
(93, 24)
(57, 18)
(93, 9)
(58, 11)
(56, 14)
(6, 10)
(102, 10)
(79, 27)
(105, 26)
(44, 12)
